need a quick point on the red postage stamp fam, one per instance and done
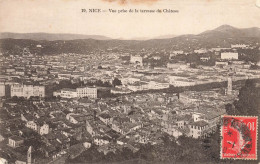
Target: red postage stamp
(239, 137)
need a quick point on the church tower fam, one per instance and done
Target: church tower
(29, 155)
(229, 87)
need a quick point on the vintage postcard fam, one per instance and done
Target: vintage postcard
(129, 81)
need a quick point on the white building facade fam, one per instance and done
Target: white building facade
(2, 90)
(27, 91)
(90, 92)
(229, 55)
(136, 60)
(41, 129)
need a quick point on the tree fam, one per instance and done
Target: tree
(106, 84)
(145, 152)
(212, 147)
(126, 153)
(249, 55)
(254, 67)
(14, 98)
(248, 102)
(116, 82)
(104, 94)
(229, 108)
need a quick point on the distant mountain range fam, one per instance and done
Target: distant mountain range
(222, 31)
(50, 37)
(222, 36)
(229, 31)
(157, 37)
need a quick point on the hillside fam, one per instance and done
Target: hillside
(50, 37)
(222, 36)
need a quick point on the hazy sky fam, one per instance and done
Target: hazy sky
(65, 16)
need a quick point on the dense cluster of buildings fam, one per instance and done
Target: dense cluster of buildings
(80, 119)
(104, 66)
(130, 120)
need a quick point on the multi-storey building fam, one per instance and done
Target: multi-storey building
(90, 92)
(202, 125)
(229, 55)
(239, 46)
(27, 91)
(198, 129)
(66, 93)
(183, 82)
(15, 141)
(41, 128)
(136, 60)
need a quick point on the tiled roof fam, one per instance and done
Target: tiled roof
(199, 123)
(16, 138)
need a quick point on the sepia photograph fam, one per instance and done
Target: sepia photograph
(129, 81)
